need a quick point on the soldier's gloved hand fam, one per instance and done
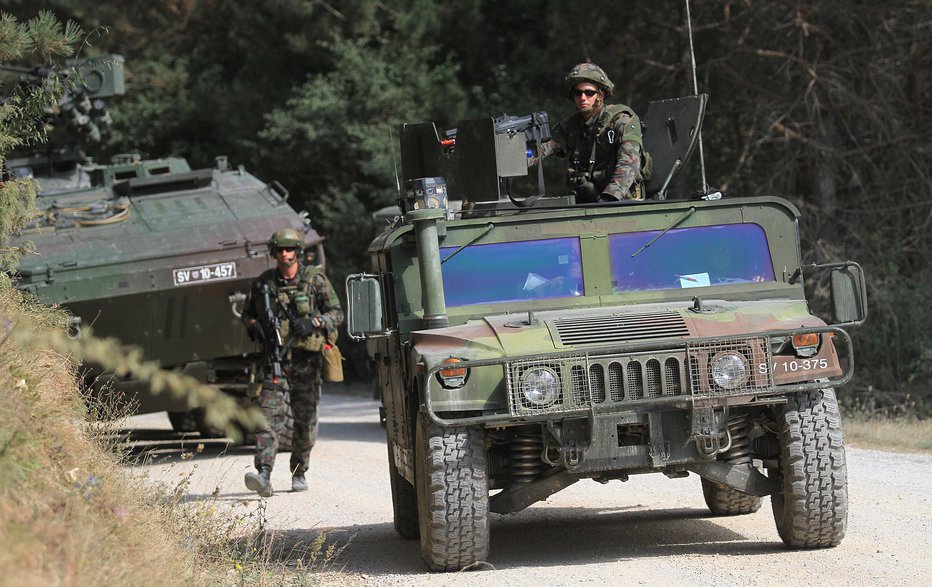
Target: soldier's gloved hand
(302, 327)
(255, 331)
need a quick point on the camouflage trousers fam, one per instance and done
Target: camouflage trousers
(301, 381)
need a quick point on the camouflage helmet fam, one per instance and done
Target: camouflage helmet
(285, 237)
(589, 72)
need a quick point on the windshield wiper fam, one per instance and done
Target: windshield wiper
(488, 229)
(665, 231)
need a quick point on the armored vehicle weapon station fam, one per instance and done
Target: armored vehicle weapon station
(157, 255)
(524, 346)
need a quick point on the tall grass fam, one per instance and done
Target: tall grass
(71, 514)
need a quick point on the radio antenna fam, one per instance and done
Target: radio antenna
(692, 56)
(391, 144)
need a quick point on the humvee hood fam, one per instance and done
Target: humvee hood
(583, 329)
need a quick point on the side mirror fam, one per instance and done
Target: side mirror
(364, 315)
(849, 294)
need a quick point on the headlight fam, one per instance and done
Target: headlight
(730, 369)
(541, 386)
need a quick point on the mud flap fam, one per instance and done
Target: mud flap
(671, 131)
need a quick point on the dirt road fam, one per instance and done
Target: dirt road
(648, 531)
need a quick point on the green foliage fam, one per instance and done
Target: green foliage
(339, 130)
(22, 114)
(824, 103)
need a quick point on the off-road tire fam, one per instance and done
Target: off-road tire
(452, 495)
(404, 500)
(728, 501)
(811, 511)
(183, 421)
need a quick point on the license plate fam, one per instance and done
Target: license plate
(202, 273)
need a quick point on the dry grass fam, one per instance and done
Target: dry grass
(71, 515)
(901, 434)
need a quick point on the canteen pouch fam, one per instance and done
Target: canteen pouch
(333, 363)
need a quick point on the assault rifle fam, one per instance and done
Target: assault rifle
(272, 329)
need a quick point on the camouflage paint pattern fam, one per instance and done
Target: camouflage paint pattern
(494, 331)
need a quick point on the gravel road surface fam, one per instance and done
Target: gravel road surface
(648, 531)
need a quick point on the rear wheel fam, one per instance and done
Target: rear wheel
(183, 421)
(728, 501)
(811, 511)
(404, 500)
(452, 495)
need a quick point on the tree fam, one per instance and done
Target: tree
(22, 113)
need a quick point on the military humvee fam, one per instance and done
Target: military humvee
(523, 348)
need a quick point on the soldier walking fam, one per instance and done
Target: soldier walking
(602, 142)
(294, 312)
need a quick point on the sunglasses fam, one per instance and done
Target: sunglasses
(289, 249)
(588, 93)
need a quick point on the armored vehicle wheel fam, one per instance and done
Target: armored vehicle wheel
(452, 495)
(183, 421)
(811, 511)
(404, 500)
(728, 501)
(206, 429)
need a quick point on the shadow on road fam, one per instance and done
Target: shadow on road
(551, 537)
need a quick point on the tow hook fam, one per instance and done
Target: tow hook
(708, 430)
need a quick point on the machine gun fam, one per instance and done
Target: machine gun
(535, 126)
(274, 350)
(82, 109)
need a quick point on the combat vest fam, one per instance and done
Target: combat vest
(592, 152)
(297, 300)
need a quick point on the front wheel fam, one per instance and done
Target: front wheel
(452, 495)
(811, 510)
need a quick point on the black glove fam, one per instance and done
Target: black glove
(255, 331)
(302, 327)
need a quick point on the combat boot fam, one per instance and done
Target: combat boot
(260, 482)
(299, 483)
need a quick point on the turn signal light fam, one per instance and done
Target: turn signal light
(807, 345)
(452, 371)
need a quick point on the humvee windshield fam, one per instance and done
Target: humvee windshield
(512, 272)
(701, 256)
(517, 271)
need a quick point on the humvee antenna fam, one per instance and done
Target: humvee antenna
(692, 56)
(391, 144)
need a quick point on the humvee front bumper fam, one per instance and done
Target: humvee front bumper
(651, 376)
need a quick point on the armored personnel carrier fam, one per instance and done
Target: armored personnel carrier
(157, 255)
(160, 256)
(523, 347)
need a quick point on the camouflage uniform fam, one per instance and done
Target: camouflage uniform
(606, 156)
(302, 364)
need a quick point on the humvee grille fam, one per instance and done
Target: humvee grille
(604, 380)
(619, 328)
(587, 380)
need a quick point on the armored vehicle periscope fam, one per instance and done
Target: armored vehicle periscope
(522, 347)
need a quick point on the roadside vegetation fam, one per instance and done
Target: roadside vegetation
(71, 513)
